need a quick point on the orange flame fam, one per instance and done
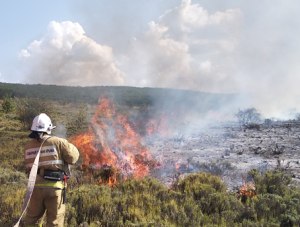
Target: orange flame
(247, 191)
(112, 141)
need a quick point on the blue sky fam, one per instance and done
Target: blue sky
(206, 45)
(22, 22)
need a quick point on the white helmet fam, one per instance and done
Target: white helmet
(42, 123)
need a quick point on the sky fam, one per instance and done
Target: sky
(245, 47)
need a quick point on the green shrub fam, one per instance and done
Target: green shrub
(272, 182)
(209, 192)
(27, 109)
(12, 150)
(9, 176)
(78, 122)
(90, 203)
(11, 201)
(8, 105)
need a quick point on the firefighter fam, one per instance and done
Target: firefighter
(49, 190)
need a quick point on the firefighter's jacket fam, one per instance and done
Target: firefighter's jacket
(56, 154)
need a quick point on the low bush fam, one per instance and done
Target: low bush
(11, 199)
(199, 199)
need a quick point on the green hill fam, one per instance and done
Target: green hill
(128, 96)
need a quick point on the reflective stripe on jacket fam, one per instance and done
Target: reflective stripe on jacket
(56, 154)
(52, 184)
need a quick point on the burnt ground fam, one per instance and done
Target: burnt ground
(229, 151)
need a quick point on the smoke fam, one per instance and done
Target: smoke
(66, 56)
(182, 49)
(248, 47)
(60, 130)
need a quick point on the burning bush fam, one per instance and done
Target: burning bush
(112, 142)
(247, 191)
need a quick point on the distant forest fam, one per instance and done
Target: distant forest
(125, 96)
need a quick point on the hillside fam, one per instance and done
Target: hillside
(129, 96)
(190, 165)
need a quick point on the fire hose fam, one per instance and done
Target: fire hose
(31, 183)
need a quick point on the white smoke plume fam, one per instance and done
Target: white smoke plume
(188, 48)
(66, 56)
